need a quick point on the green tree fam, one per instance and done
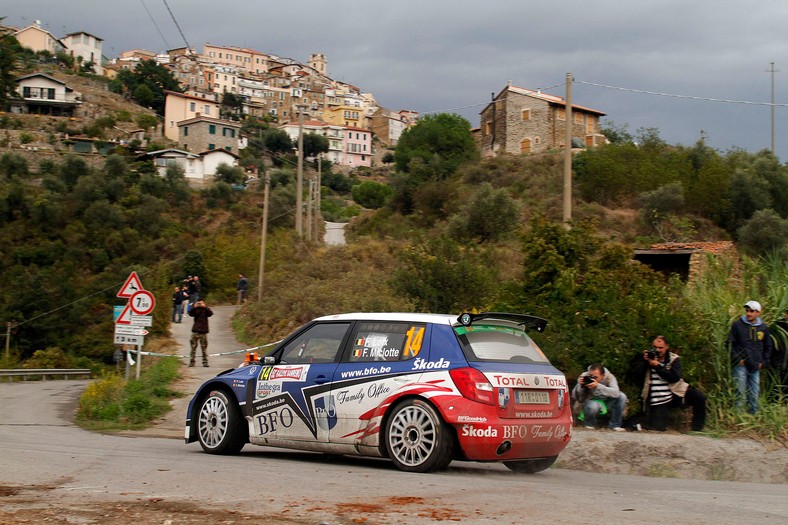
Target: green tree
(9, 50)
(765, 232)
(229, 174)
(314, 145)
(371, 194)
(155, 76)
(277, 142)
(440, 276)
(144, 95)
(435, 147)
(490, 215)
(232, 106)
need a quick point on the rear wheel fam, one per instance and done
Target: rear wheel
(530, 466)
(220, 427)
(417, 439)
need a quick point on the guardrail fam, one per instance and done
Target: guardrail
(24, 373)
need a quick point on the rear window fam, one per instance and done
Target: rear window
(490, 342)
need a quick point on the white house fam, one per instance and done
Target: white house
(45, 95)
(86, 46)
(197, 167)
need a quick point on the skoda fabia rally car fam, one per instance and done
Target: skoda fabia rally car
(419, 389)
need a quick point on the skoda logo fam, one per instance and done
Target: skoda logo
(536, 380)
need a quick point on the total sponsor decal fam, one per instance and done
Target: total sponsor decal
(527, 381)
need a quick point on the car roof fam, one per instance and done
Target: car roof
(445, 319)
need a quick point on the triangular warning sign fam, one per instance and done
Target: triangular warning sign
(125, 315)
(131, 286)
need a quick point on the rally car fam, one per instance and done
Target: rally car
(419, 389)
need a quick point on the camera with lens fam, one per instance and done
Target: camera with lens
(652, 354)
(587, 380)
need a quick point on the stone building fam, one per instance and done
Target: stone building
(203, 133)
(524, 121)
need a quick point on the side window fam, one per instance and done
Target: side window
(319, 344)
(381, 341)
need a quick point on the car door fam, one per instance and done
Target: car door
(290, 397)
(380, 363)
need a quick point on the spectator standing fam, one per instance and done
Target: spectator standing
(243, 288)
(195, 289)
(179, 295)
(664, 388)
(750, 346)
(200, 312)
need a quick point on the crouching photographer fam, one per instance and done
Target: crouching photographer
(664, 388)
(598, 393)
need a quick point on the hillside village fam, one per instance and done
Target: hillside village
(297, 97)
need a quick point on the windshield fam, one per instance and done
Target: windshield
(493, 342)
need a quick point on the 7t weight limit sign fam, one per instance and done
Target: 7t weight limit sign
(142, 302)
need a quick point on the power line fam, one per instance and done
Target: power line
(689, 97)
(153, 20)
(188, 47)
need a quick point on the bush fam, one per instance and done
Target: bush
(370, 194)
(488, 217)
(765, 232)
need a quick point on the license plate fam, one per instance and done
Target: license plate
(532, 397)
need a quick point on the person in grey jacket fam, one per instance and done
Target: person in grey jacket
(598, 393)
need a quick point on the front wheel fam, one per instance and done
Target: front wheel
(530, 466)
(417, 439)
(220, 427)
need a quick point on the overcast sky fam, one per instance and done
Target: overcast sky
(439, 55)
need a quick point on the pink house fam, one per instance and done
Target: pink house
(358, 147)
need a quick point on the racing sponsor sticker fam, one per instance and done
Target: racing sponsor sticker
(268, 388)
(288, 373)
(512, 380)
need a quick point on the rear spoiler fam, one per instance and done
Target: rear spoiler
(527, 321)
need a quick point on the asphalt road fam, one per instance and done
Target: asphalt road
(51, 470)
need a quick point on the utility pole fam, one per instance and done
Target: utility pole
(7, 339)
(263, 237)
(772, 71)
(568, 154)
(300, 175)
(309, 201)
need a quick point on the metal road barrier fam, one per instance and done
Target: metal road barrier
(24, 373)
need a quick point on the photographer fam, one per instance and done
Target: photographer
(597, 390)
(664, 388)
(201, 312)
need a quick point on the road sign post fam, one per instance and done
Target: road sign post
(131, 318)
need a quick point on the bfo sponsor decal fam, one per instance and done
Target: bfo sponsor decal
(548, 432)
(271, 421)
(368, 371)
(515, 431)
(472, 431)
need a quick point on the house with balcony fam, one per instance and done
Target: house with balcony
(521, 120)
(334, 134)
(87, 47)
(197, 168)
(42, 94)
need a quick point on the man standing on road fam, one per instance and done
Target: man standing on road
(750, 345)
(178, 296)
(243, 288)
(597, 390)
(200, 330)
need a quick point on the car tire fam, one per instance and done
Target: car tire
(417, 439)
(530, 466)
(220, 427)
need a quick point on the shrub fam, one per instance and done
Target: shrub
(766, 231)
(370, 194)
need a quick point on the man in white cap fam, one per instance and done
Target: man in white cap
(750, 346)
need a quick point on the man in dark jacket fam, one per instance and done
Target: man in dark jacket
(750, 346)
(200, 330)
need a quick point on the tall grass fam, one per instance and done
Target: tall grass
(717, 297)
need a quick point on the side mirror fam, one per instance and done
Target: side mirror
(269, 360)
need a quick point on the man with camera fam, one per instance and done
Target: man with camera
(598, 393)
(201, 312)
(663, 387)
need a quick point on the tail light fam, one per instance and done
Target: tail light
(473, 385)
